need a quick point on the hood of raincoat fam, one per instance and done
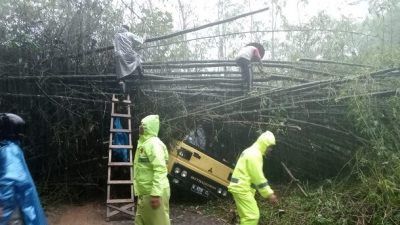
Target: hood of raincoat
(151, 126)
(265, 140)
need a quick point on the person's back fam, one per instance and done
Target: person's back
(126, 42)
(250, 53)
(247, 54)
(248, 177)
(127, 58)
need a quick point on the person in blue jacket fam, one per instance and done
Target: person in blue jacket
(19, 200)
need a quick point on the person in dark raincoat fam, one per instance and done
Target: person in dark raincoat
(19, 200)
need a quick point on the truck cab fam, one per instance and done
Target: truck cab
(196, 169)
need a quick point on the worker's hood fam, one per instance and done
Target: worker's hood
(151, 126)
(264, 141)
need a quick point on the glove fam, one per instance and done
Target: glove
(155, 202)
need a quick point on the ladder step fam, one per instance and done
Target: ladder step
(120, 164)
(123, 101)
(120, 146)
(120, 182)
(121, 115)
(120, 130)
(119, 201)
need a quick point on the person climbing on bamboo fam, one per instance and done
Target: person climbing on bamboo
(127, 58)
(248, 176)
(252, 52)
(151, 184)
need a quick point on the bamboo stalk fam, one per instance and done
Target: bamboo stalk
(297, 181)
(333, 62)
(66, 98)
(210, 81)
(47, 77)
(173, 34)
(205, 26)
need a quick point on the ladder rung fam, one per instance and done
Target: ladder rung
(121, 115)
(120, 182)
(120, 164)
(123, 101)
(120, 146)
(120, 200)
(120, 130)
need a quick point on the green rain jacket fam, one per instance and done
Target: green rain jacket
(150, 163)
(248, 174)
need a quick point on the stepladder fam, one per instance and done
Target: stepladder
(120, 196)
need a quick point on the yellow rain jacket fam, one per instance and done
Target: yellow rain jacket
(248, 176)
(150, 175)
(150, 163)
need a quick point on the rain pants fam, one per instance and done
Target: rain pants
(126, 57)
(150, 175)
(17, 189)
(247, 177)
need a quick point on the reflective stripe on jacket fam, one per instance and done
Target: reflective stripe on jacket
(248, 174)
(150, 163)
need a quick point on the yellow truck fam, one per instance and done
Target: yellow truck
(191, 168)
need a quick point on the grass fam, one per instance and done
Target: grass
(327, 203)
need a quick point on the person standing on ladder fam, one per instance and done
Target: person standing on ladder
(151, 184)
(252, 52)
(127, 59)
(248, 176)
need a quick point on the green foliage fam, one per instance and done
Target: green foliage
(377, 166)
(322, 37)
(382, 56)
(327, 204)
(160, 23)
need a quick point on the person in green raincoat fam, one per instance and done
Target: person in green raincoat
(248, 176)
(151, 184)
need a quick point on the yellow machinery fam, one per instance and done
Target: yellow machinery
(194, 170)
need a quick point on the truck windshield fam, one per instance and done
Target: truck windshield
(206, 140)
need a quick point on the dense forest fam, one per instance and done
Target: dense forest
(328, 89)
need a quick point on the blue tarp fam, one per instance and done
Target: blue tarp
(17, 189)
(120, 155)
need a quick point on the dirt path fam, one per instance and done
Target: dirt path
(94, 214)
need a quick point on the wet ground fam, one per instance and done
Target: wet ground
(93, 213)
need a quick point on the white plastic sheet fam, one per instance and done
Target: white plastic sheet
(126, 47)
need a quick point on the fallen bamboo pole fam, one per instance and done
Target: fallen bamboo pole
(66, 98)
(294, 179)
(173, 34)
(333, 62)
(205, 26)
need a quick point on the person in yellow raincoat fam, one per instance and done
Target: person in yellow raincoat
(151, 184)
(248, 176)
